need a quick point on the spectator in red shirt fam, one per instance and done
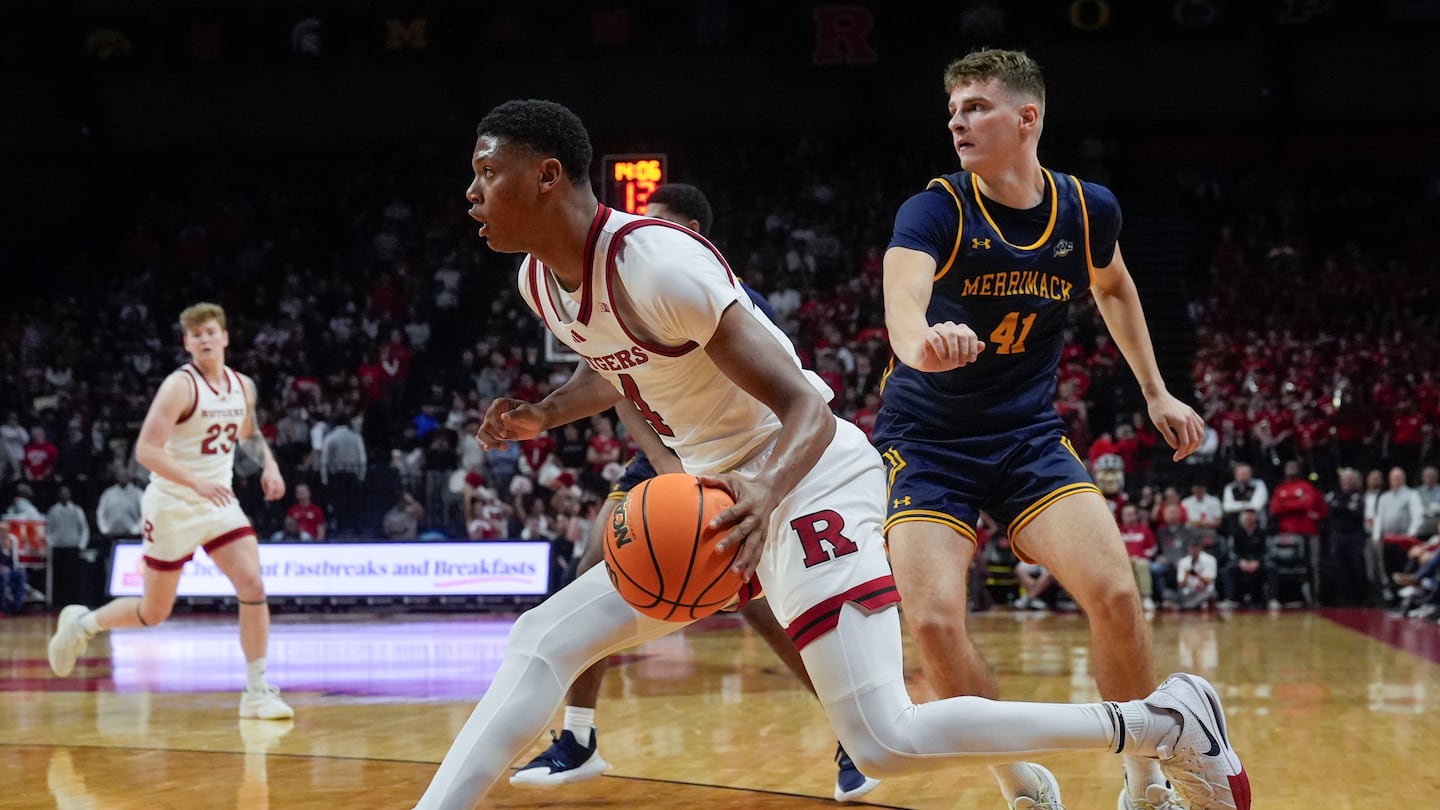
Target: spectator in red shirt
(1105, 445)
(1297, 505)
(308, 514)
(604, 448)
(1299, 508)
(864, 417)
(1408, 427)
(1140, 545)
(40, 456)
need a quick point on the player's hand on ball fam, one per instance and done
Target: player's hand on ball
(509, 420)
(948, 345)
(749, 519)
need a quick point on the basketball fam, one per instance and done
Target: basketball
(660, 551)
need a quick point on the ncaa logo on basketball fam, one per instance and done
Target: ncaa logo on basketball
(617, 525)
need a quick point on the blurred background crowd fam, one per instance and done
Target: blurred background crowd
(1292, 301)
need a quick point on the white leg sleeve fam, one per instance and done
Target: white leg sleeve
(858, 674)
(549, 646)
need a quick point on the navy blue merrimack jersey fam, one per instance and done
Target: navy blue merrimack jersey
(1009, 275)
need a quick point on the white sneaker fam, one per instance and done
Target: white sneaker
(1200, 764)
(1049, 798)
(1425, 611)
(1023, 603)
(264, 704)
(1228, 604)
(1148, 605)
(69, 640)
(1274, 604)
(1157, 797)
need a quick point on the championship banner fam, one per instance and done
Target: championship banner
(30, 546)
(489, 568)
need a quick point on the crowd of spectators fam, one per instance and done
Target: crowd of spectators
(378, 333)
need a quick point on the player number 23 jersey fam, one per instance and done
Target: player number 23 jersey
(205, 437)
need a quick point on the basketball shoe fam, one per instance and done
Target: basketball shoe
(1198, 759)
(565, 762)
(850, 783)
(1157, 797)
(1046, 798)
(264, 704)
(69, 640)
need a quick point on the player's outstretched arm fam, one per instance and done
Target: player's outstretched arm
(741, 347)
(175, 397)
(586, 393)
(919, 344)
(1119, 303)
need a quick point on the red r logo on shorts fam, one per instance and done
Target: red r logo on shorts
(825, 526)
(148, 532)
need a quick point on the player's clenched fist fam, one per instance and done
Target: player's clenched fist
(509, 420)
(948, 345)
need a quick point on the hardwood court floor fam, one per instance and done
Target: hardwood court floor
(1337, 710)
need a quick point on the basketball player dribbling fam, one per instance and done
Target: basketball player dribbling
(574, 753)
(203, 411)
(659, 318)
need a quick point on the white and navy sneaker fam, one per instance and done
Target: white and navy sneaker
(850, 783)
(565, 762)
(1199, 762)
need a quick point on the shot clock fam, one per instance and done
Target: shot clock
(628, 180)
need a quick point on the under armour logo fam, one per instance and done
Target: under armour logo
(977, 243)
(899, 502)
(1063, 248)
(576, 336)
(604, 307)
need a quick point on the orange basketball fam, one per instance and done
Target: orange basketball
(660, 551)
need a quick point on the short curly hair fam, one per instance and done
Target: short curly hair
(687, 201)
(546, 128)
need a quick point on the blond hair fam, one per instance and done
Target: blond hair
(1014, 70)
(197, 314)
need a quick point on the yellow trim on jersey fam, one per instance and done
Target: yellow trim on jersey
(1065, 440)
(617, 495)
(1033, 510)
(885, 377)
(1049, 226)
(959, 229)
(1085, 217)
(931, 516)
(897, 463)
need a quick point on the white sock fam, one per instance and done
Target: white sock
(1017, 779)
(1145, 729)
(1141, 773)
(580, 721)
(90, 623)
(255, 675)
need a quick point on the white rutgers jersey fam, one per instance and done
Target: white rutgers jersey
(674, 286)
(204, 439)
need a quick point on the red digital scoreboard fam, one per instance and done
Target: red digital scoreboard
(627, 180)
